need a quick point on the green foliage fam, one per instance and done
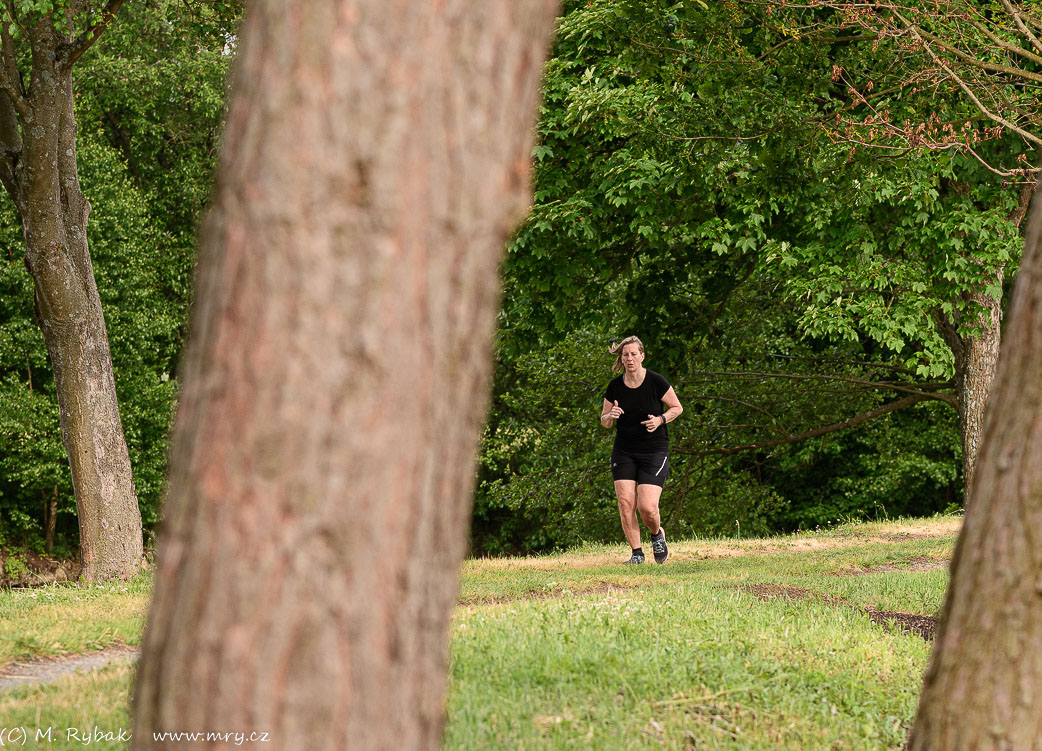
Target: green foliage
(677, 144)
(689, 190)
(883, 256)
(15, 567)
(89, 20)
(33, 464)
(153, 88)
(905, 463)
(543, 481)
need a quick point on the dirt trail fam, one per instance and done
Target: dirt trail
(696, 550)
(923, 626)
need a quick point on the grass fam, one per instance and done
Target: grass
(679, 665)
(577, 651)
(69, 619)
(77, 707)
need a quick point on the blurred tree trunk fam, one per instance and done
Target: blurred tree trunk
(376, 159)
(983, 689)
(38, 170)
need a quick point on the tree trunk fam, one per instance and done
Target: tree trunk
(50, 519)
(983, 689)
(376, 158)
(46, 190)
(976, 352)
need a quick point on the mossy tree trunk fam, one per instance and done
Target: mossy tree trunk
(375, 160)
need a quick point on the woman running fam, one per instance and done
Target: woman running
(639, 403)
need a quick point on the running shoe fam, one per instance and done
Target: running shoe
(634, 559)
(658, 545)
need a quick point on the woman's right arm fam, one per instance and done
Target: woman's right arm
(609, 413)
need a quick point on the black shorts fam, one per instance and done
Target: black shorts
(646, 468)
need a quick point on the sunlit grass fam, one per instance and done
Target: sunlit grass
(675, 666)
(93, 705)
(65, 619)
(578, 651)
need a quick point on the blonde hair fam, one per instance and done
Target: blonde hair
(616, 349)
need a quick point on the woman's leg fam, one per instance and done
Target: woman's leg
(647, 503)
(626, 492)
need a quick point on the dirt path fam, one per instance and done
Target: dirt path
(48, 669)
(699, 550)
(923, 626)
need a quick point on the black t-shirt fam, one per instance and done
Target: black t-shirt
(636, 405)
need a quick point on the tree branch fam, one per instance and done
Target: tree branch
(867, 37)
(908, 401)
(1031, 20)
(68, 54)
(732, 400)
(1027, 190)
(10, 148)
(1021, 25)
(10, 78)
(926, 390)
(1009, 47)
(835, 361)
(966, 89)
(974, 62)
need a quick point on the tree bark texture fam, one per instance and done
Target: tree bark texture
(38, 169)
(975, 348)
(983, 688)
(375, 160)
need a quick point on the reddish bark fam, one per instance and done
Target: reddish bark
(376, 158)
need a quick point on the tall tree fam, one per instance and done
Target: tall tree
(40, 43)
(149, 106)
(984, 56)
(983, 684)
(375, 161)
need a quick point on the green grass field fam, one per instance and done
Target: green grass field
(733, 644)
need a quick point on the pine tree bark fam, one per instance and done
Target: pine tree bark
(375, 160)
(983, 688)
(38, 169)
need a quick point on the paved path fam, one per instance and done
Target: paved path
(47, 669)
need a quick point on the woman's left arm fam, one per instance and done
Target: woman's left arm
(673, 408)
